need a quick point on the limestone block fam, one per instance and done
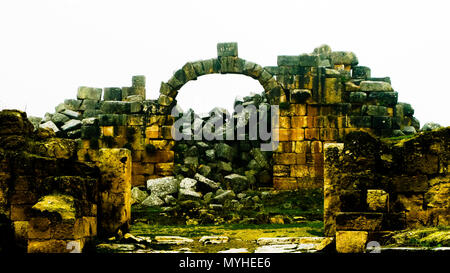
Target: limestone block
(49, 125)
(299, 171)
(369, 221)
(298, 109)
(227, 49)
(285, 183)
(327, 134)
(375, 86)
(253, 70)
(89, 93)
(289, 158)
(383, 98)
(284, 60)
(343, 57)
(359, 122)
(55, 246)
(20, 231)
(138, 81)
(115, 207)
(112, 119)
(281, 170)
(404, 183)
(164, 169)
(112, 93)
(285, 123)
(410, 202)
(357, 97)
(231, 65)
(189, 72)
(72, 104)
(361, 72)
(351, 241)
(377, 200)
(381, 122)
(59, 119)
(158, 157)
(89, 104)
(374, 110)
(115, 107)
(165, 100)
(312, 133)
(71, 125)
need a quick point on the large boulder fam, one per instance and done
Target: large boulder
(161, 187)
(206, 183)
(138, 196)
(430, 126)
(236, 182)
(224, 151)
(188, 184)
(152, 201)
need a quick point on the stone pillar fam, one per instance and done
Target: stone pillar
(114, 190)
(331, 202)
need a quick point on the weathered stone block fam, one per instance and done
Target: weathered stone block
(361, 72)
(89, 93)
(115, 107)
(308, 60)
(381, 123)
(351, 241)
(115, 207)
(227, 49)
(374, 110)
(360, 121)
(71, 125)
(375, 86)
(112, 93)
(383, 98)
(357, 97)
(285, 183)
(283, 60)
(138, 81)
(404, 183)
(72, 104)
(49, 125)
(369, 221)
(343, 57)
(377, 200)
(55, 246)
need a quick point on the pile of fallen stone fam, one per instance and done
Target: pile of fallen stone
(201, 150)
(200, 200)
(67, 119)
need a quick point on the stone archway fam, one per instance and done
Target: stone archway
(227, 62)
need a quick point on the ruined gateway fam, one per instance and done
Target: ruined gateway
(73, 176)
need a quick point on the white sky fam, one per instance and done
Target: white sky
(49, 48)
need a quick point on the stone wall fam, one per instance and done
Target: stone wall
(322, 96)
(49, 200)
(373, 186)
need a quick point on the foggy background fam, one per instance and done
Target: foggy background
(49, 48)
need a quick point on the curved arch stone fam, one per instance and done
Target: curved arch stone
(224, 64)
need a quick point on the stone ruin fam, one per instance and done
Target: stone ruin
(113, 139)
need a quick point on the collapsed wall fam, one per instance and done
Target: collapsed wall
(322, 97)
(49, 200)
(113, 138)
(373, 186)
